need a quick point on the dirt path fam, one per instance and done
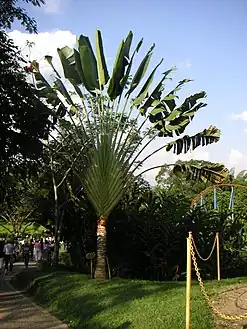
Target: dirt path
(19, 312)
(232, 301)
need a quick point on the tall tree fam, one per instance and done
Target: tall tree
(111, 166)
(20, 205)
(10, 10)
(24, 119)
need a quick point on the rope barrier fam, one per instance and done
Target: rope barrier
(204, 292)
(211, 252)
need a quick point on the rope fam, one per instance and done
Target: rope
(205, 294)
(210, 254)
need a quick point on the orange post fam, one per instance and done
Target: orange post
(188, 281)
(218, 254)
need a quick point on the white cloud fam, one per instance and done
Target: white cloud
(45, 43)
(54, 6)
(237, 159)
(234, 157)
(241, 116)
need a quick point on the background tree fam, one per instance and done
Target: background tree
(190, 177)
(25, 121)
(21, 203)
(9, 11)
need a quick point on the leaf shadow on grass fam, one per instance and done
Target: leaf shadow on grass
(81, 302)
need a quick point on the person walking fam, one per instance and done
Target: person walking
(26, 253)
(8, 250)
(37, 251)
(1, 254)
(31, 248)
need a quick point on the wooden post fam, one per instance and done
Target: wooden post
(218, 254)
(188, 281)
(91, 267)
(108, 268)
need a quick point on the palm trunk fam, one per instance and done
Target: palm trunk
(100, 271)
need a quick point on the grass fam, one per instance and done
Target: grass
(121, 304)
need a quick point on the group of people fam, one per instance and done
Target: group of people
(30, 250)
(43, 249)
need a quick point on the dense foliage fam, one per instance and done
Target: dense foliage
(148, 229)
(24, 119)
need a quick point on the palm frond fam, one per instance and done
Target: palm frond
(186, 143)
(205, 171)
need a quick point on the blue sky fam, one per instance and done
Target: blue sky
(205, 39)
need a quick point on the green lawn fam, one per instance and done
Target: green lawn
(122, 304)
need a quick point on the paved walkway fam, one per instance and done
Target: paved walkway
(19, 312)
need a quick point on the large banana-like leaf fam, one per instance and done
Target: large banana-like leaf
(49, 59)
(141, 71)
(154, 99)
(186, 143)
(88, 64)
(144, 91)
(170, 119)
(45, 90)
(101, 62)
(67, 59)
(205, 171)
(116, 86)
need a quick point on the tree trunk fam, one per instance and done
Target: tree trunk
(56, 239)
(57, 222)
(100, 270)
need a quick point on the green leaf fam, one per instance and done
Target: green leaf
(169, 99)
(176, 119)
(205, 171)
(115, 87)
(67, 58)
(207, 136)
(61, 111)
(156, 94)
(49, 60)
(62, 89)
(177, 88)
(88, 64)
(101, 62)
(142, 69)
(40, 81)
(144, 91)
(79, 69)
(129, 67)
